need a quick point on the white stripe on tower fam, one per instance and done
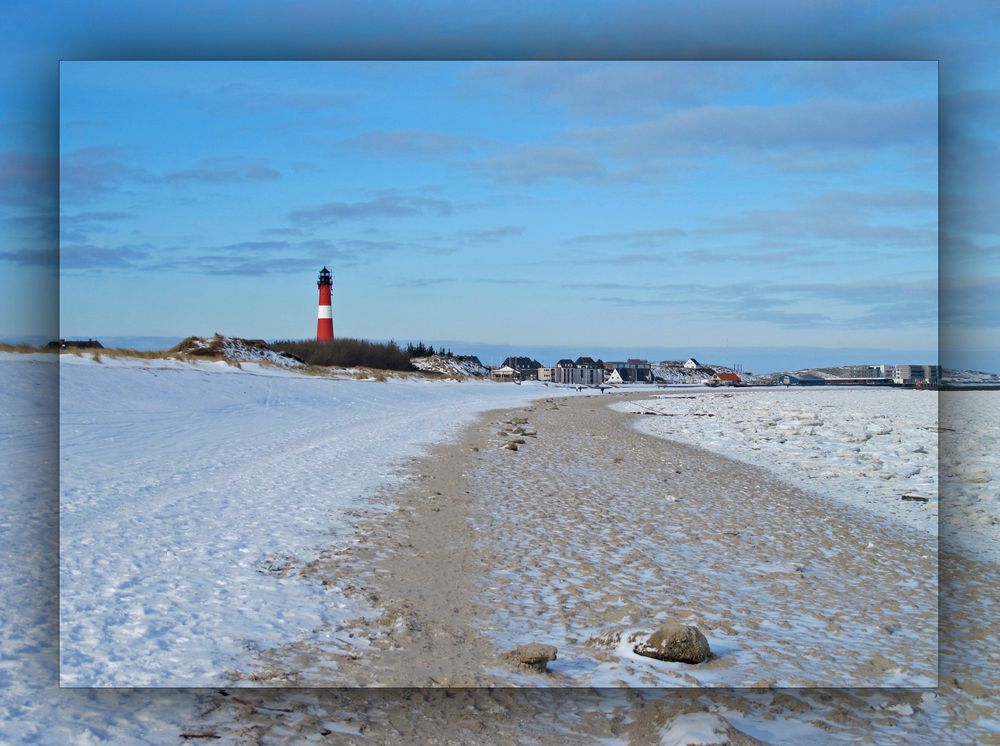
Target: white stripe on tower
(325, 312)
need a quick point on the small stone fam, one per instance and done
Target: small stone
(532, 657)
(675, 642)
(510, 445)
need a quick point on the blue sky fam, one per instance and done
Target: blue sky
(588, 203)
(536, 155)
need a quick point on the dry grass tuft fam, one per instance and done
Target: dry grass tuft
(126, 352)
(4, 347)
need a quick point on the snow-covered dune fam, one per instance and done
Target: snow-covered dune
(456, 367)
(186, 488)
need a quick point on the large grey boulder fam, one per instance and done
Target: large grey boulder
(675, 642)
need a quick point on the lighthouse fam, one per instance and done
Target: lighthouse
(324, 316)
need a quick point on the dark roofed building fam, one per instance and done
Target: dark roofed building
(526, 367)
(63, 344)
(632, 370)
(584, 371)
(521, 363)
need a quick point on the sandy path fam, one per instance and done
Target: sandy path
(414, 567)
(591, 532)
(432, 553)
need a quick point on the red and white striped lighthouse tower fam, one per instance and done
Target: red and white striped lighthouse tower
(324, 316)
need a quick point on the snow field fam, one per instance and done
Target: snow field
(32, 707)
(188, 491)
(34, 710)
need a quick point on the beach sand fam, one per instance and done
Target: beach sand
(588, 530)
(588, 537)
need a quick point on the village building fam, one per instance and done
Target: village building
(525, 366)
(724, 379)
(547, 374)
(632, 370)
(862, 375)
(505, 374)
(583, 371)
(563, 371)
(869, 371)
(905, 375)
(888, 375)
(691, 364)
(63, 344)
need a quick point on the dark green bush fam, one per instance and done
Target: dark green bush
(346, 353)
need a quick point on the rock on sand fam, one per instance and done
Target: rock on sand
(531, 657)
(675, 642)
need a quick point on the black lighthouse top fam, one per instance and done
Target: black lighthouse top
(325, 278)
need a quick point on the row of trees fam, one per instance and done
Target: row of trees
(420, 350)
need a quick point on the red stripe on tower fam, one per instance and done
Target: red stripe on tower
(324, 316)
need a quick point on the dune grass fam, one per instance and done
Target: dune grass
(4, 347)
(128, 352)
(366, 359)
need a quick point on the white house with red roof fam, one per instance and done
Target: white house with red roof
(724, 379)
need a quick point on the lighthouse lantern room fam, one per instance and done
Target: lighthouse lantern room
(324, 316)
